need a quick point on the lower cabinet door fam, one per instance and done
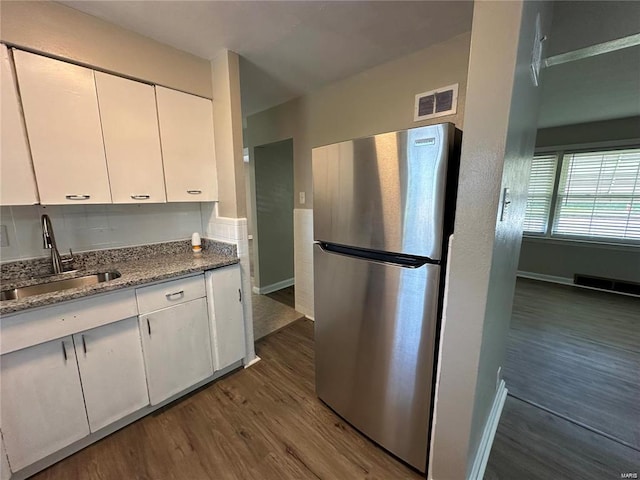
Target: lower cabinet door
(42, 405)
(177, 348)
(225, 289)
(112, 371)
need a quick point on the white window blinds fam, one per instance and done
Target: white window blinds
(599, 195)
(541, 179)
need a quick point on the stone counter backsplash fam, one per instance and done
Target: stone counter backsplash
(41, 267)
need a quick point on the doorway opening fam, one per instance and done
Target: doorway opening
(271, 246)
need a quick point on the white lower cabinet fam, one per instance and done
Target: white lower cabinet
(177, 348)
(112, 371)
(227, 320)
(42, 404)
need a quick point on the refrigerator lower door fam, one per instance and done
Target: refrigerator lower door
(374, 340)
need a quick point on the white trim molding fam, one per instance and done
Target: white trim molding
(545, 278)
(274, 287)
(489, 433)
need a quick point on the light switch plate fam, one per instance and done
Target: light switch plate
(4, 236)
(302, 198)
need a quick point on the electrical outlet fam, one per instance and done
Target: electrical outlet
(4, 236)
(498, 376)
(302, 198)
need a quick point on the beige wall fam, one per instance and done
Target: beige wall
(227, 119)
(63, 32)
(498, 142)
(377, 100)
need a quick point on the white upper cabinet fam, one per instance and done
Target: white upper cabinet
(63, 125)
(186, 131)
(17, 182)
(131, 139)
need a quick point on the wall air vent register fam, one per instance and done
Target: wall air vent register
(436, 103)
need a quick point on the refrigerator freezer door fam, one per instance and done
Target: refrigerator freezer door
(385, 192)
(374, 341)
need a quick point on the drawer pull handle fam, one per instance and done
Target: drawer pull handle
(64, 352)
(141, 197)
(84, 345)
(194, 192)
(240, 295)
(149, 327)
(77, 197)
(173, 294)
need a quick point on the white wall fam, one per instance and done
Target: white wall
(498, 142)
(96, 227)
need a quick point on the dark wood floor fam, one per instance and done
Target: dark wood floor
(576, 352)
(532, 444)
(264, 423)
(285, 296)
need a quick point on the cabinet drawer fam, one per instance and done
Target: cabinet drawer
(32, 327)
(171, 293)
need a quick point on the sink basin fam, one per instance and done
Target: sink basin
(56, 286)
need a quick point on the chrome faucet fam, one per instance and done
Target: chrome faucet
(50, 242)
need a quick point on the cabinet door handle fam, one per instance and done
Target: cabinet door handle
(173, 294)
(194, 192)
(240, 295)
(141, 197)
(77, 197)
(84, 345)
(64, 352)
(149, 327)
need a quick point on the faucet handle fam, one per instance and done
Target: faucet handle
(68, 261)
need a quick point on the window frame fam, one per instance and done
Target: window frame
(560, 153)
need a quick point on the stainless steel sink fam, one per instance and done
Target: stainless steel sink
(56, 286)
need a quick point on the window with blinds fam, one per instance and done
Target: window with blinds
(540, 193)
(599, 195)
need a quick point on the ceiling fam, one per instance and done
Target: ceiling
(290, 48)
(599, 87)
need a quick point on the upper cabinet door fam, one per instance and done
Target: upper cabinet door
(63, 124)
(131, 139)
(17, 182)
(186, 131)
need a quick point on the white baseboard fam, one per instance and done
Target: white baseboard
(489, 433)
(274, 286)
(545, 278)
(310, 317)
(255, 360)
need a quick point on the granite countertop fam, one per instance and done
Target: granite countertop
(137, 266)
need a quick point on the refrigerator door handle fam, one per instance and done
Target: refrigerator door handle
(398, 259)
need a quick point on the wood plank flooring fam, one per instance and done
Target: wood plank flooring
(263, 423)
(531, 444)
(577, 352)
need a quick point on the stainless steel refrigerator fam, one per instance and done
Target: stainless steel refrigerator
(382, 214)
